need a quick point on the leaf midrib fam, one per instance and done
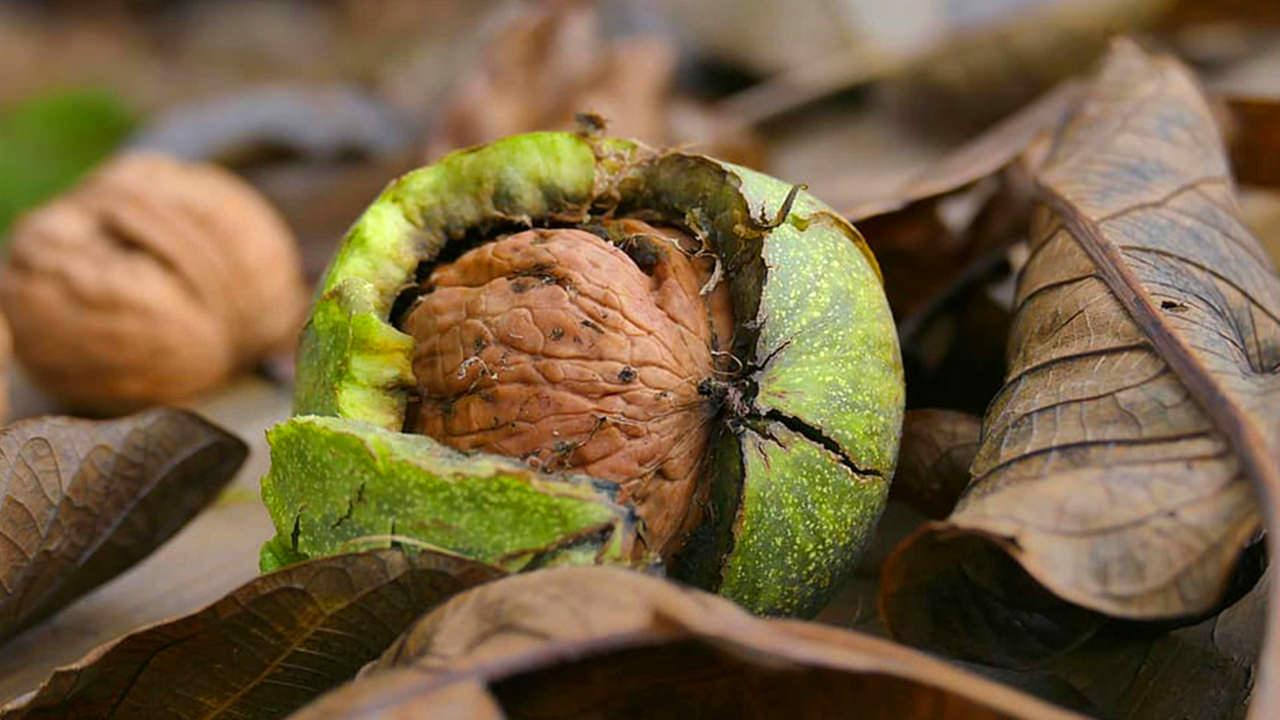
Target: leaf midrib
(1238, 426)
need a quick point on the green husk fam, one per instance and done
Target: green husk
(799, 478)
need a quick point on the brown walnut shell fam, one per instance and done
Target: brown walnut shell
(150, 281)
(563, 349)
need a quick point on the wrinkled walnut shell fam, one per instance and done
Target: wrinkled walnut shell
(149, 282)
(560, 348)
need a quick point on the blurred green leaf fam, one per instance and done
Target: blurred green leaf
(48, 142)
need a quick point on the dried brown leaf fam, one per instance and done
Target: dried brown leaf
(1010, 141)
(263, 650)
(944, 227)
(600, 642)
(1189, 12)
(1116, 462)
(82, 501)
(265, 125)
(1262, 212)
(1202, 671)
(933, 461)
(1145, 672)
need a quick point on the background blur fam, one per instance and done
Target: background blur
(318, 103)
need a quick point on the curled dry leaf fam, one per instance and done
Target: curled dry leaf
(942, 237)
(263, 650)
(937, 228)
(150, 281)
(82, 501)
(554, 61)
(601, 642)
(933, 463)
(1115, 463)
(1242, 11)
(1009, 142)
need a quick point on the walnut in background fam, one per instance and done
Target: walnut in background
(149, 282)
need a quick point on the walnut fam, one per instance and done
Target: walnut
(560, 348)
(150, 281)
(572, 349)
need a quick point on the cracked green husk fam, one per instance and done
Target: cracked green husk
(797, 483)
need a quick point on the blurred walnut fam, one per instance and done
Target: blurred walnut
(554, 61)
(149, 282)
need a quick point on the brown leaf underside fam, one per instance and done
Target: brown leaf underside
(933, 461)
(265, 649)
(1116, 462)
(949, 225)
(1203, 671)
(82, 501)
(601, 642)
(1206, 670)
(1004, 144)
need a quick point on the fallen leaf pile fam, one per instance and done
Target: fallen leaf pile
(1139, 402)
(1086, 297)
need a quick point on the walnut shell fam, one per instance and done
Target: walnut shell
(150, 281)
(557, 347)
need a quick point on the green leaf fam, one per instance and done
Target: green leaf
(48, 142)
